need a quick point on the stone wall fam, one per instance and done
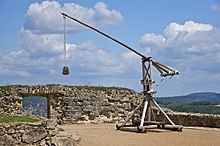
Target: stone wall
(70, 104)
(44, 133)
(97, 106)
(193, 119)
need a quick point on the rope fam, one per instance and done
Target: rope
(64, 38)
(160, 81)
(162, 85)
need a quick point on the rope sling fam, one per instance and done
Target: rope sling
(65, 68)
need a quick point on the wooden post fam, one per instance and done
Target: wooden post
(144, 113)
(49, 106)
(133, 112)
(155, 103)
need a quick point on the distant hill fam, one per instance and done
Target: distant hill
(203, 102)
(211, 97)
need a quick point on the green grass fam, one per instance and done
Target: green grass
(16, 118)
(101, 88)
(4, 89)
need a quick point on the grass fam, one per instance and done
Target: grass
(102, 88)
(4, 89)
(16, 118)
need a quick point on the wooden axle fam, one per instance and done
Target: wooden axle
(134, 128)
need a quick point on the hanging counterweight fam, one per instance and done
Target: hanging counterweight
(65, 70)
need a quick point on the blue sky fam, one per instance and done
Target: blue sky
(183, 34)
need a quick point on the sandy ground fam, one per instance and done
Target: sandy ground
(106, 135)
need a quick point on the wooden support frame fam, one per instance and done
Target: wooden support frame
(148, 101)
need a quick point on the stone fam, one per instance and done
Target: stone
(11, 131)
(7, 140)
(110, 99)
(92, 116)
(105, 112)
(37, 134)
(51, 123)
(65, 139)
(21, 131)
(104, 119)
(48, 142)
(76, 137)
(83, 118)
(127, 106)
(42, 143)
(87, 110)
(34, 135)
(125, 99)
(7, 125)
(2, 131)
(53, 132)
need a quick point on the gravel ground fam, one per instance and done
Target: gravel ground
(107, 135)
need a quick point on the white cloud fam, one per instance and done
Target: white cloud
(90, 58)
(131, 61)
(215, 7)
(193, 48)
(190, 27)
(38, 44)
(151, 40)
(37, 59)
(188, 38)
(41, 41)
(103, 14)
(45, 17)
(18, 64)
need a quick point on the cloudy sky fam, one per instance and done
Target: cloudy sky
(183, 34)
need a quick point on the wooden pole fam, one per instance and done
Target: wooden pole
(133, 112)
(155, 103)
(144, 113)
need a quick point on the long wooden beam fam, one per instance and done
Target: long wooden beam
(167, 71)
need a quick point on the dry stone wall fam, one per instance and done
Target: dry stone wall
(70, 104)
(193, 119)
(44, 133)
(97, 106)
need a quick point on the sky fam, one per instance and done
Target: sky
(183, 34)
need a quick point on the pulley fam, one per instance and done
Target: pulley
(65, 68)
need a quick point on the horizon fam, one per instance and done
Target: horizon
(184, 35)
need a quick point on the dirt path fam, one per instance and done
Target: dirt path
(106, 135)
